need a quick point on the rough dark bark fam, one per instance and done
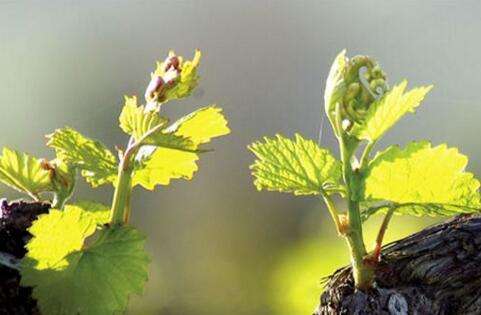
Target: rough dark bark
(435, 271)
(15, 218)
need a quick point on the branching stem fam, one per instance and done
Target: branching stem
(120, 210)
(333, 212)
(365, 154)
(382, 232)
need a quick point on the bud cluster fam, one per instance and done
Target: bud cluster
(353, 85)
(174, 78)
(365, 82)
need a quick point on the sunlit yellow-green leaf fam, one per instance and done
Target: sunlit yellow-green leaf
(423, 180)
(71, 276)
(97, 164)
(385, 112)
(163, 165)
(170, 141)
(177, 150)
(202, 125)
(24, 172)
(136, 120)
(299, 166)
(59, 233)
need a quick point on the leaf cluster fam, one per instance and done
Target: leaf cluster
(418, 179)
(80, 260)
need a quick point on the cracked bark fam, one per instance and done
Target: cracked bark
(435, 271)
(15, 218)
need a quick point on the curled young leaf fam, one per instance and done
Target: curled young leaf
(335, 87)
(353, 85)
(297, 166)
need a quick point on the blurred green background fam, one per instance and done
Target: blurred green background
(218, 246)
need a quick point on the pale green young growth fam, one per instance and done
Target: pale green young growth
(35, 177)
(84, 258)
(417, 180)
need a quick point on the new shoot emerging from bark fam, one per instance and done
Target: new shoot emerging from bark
(84, 257)
(419, 179)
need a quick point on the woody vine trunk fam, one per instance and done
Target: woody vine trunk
(15, 218)
(435, 271)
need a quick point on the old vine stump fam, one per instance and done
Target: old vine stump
(15, 218)
(435, 271)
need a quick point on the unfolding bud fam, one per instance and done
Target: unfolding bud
(353, 85)
(154, 87)
(173, 78)
(62, 177)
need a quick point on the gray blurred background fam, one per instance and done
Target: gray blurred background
(218, 246)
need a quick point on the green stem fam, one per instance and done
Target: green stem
(59, 200)
(122, 192)
(120, 211)
(333, 212)
(382, 232)
(127, 208)
(61, 196)
(362, 272)
(365, 154)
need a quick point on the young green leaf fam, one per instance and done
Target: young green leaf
(97, 164)
(178, 144)
(417, 209)
(136, 120)
(59, 233)
(335, 87)
(163, 165)
(147, 127)
(170, 141)
(24, 173)
(300, 166)
(385, 112)
(72, 277)
(202, 125)
(97, 212)
(423, 180)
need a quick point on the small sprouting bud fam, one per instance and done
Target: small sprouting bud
(352, 91)
(62, 177)
(343, 224)
(154, 87)
(173, 78)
